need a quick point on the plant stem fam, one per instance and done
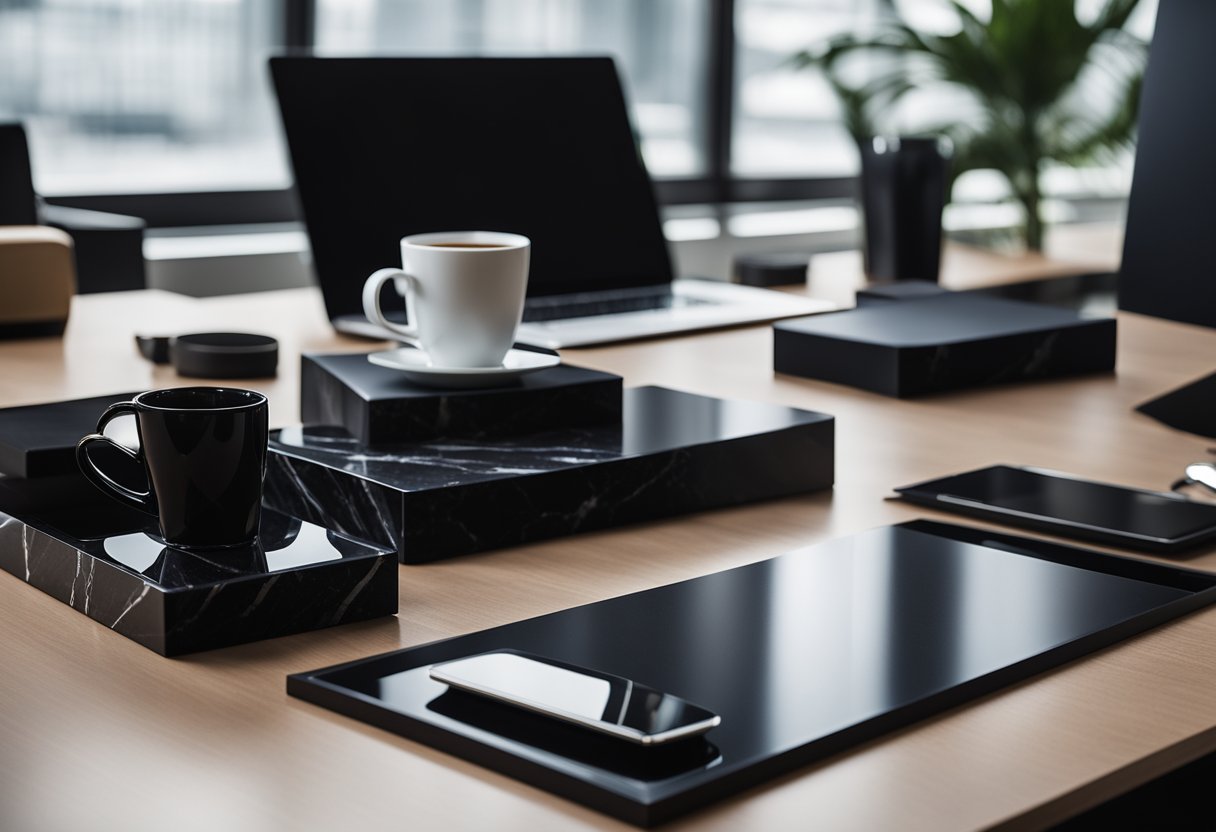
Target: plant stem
(1034, 223)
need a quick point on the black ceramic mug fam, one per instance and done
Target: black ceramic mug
(204, 452)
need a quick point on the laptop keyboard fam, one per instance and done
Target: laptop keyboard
(537, 310)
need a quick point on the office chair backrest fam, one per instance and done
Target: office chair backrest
(17, 203)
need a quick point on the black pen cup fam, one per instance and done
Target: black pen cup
(203, 450)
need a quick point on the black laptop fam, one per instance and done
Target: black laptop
(387, 147)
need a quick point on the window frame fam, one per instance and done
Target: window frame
(717, 186)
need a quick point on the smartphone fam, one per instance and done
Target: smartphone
(601, 702)
(1150, 521)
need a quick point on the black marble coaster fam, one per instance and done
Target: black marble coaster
(944, 342)
(803, 656)
(39, 440)
(378, 405)
(98, 558)
(672, 453)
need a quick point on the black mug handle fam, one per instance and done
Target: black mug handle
(142, 500)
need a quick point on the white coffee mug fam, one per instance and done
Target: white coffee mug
(464, 291)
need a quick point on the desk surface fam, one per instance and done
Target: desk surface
(97, 732)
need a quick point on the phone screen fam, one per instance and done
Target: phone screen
(1097, 505)
(601, 701)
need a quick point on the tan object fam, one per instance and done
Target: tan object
(37, 279)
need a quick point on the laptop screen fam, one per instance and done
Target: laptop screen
(385, 147)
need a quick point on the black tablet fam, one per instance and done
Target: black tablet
(1150, 521)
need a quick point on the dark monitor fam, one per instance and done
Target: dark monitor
(1169, 253)
(17, 203)
(385, 147)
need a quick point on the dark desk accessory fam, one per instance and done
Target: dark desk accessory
(378, 405)
(213, 354)
(903, 191)
(204, 454)
(772, 268)
(39, 440)
(672, 453)
(104, 561)
(951, 342)
(803, 656)
(1191, 408)
(1056, 503)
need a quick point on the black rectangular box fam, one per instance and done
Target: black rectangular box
(948, 342)
(378, 405)
(672, 453)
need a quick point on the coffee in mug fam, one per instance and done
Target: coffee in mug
(203, 450)
(465, 295)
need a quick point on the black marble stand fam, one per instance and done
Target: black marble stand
(378, 405)
(97, 558)
(673, 453)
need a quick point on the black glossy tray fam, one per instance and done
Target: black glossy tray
(803, 656)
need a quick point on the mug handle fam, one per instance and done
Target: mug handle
(371, 304)
(142, 500)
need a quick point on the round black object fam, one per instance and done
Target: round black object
(224, 355)
(771, 268)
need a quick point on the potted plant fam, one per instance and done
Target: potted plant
(1041, 85)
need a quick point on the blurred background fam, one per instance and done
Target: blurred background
(163, 108)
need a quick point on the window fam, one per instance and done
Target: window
(124, 96)
(144, 98)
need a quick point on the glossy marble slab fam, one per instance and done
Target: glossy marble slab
(99, 558)
(950, 341)
(378, 405)
(671, 453)
(803, 656)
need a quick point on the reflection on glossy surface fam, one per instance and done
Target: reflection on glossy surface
(601, 702)
(285, 543)
(793, 651)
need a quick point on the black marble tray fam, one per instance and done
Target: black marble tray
(39, 440)
(803, 656)
(97, 557)
(672, 453)
(378, 405)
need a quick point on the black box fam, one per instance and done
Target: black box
(103, 560)
(39, 440)
(947, 342)
(378, 405)
(672, 453)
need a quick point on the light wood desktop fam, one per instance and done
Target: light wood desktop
(97, 732)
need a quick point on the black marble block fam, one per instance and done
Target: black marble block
(945, 342)
(99, 559)
(39, 440)
(378, 405)
(672, 453)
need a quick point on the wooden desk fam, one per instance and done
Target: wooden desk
(98, 733)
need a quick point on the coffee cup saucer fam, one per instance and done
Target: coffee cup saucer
(415, 365)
